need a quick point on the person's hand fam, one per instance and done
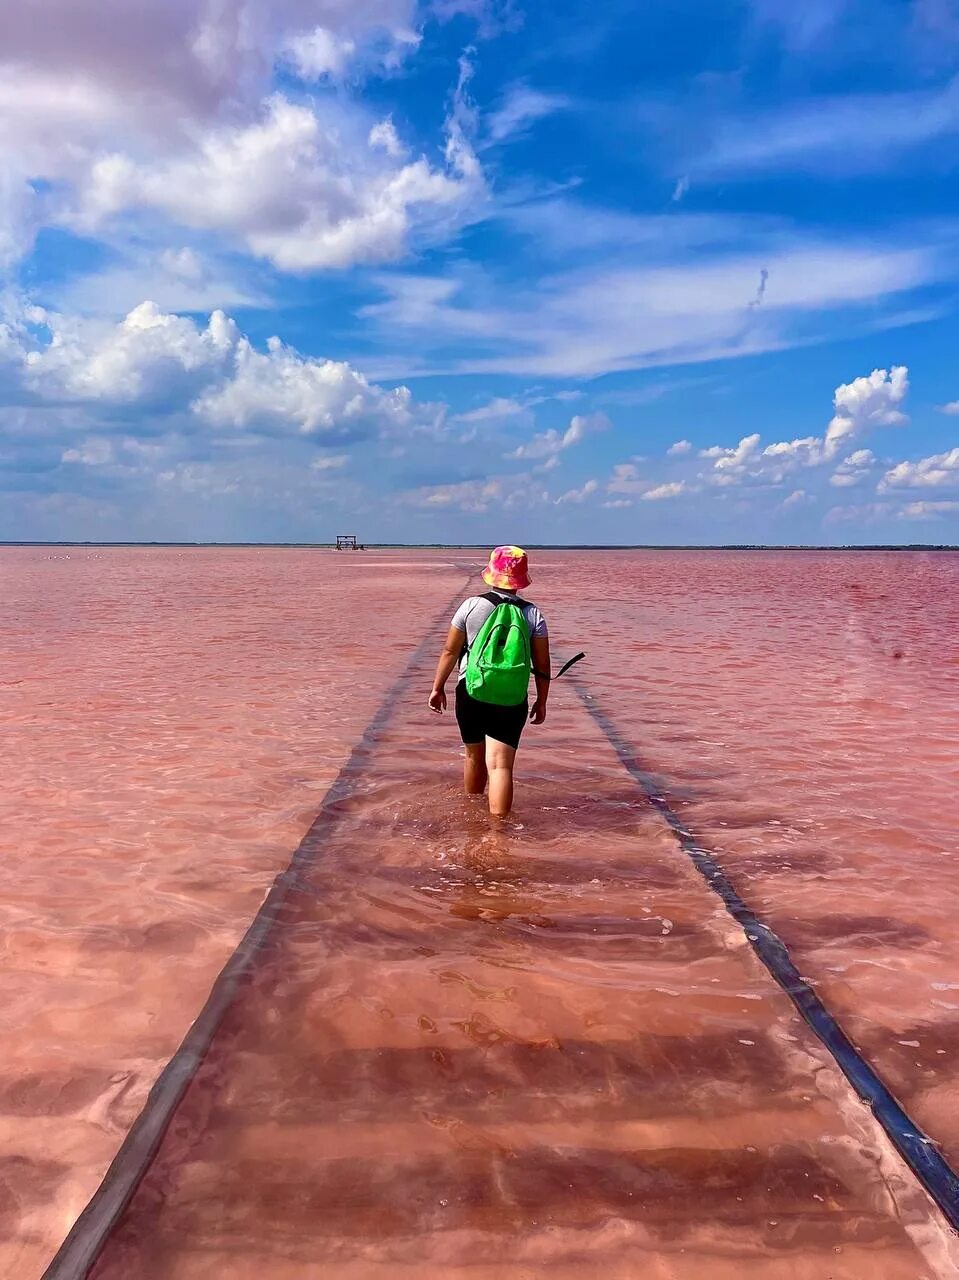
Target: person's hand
(437, 701)
(537, 712)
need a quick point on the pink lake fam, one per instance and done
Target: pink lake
(469, 1050)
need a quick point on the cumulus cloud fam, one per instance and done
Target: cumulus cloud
(628, 480)
(279, 388)
(475, 496)
(170, 365)
(860, 406)
(864, 403)
(926, 510)
(579, 495)
(798, 498)
(91, 453)
(671, 490)
(288, 188)
(729, 464)
(853, 469)
(936, 471)
(680, 448)
(149, 358)
(199, 54)
(167, 110)
(951, 409)
(549, 443)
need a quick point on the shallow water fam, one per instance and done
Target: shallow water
(469, 1050)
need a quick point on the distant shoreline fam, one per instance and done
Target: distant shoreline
(532, 546)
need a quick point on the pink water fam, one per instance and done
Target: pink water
(470, 1051)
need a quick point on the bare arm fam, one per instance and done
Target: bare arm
(452, 652)
(541, 674)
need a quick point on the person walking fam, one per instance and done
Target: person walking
(496, 641)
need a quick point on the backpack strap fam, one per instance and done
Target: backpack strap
(496, 597)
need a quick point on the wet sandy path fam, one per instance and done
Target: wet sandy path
(473, 1051)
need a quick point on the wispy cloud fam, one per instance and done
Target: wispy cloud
(519, 109)
(848, 133)
(600, 319)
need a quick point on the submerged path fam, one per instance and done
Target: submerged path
(474, 1052)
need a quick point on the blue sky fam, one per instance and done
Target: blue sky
(480, 271)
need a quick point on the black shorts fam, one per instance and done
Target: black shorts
(480, 720)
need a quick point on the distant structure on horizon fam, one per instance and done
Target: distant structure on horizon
(347, 542)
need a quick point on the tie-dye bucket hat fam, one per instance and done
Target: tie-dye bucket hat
(508, 569)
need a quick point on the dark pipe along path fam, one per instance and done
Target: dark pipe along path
(919, 1152)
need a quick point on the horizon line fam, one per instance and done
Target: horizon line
(532, 546)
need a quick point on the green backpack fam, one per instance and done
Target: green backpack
(499, 662)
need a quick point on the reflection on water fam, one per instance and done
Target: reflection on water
(474, 1050)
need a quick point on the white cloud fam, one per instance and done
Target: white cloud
(549, 443)
(18, 216)
(867, 402)
(176, 279)
(926, 510)
(860, 406)
(332, 462)
(579, 495)
(936, 471)
(626, 479)
(672, 490)
(681, 189)
(91, 453)
(200, 56)
(849, 133)
(601, 318)
(319, 53)
(680, 448)
(798, 498)
(171, 367)
(384, 135)
(616, 504)
(279, 389)
(786, 455)
(521, 107)
(165, 109)
(474, 496)
(730, 464)
(494, 410)
(511, 407)
(298, 189)
(150, 357)
(952, 408)
(854, 469)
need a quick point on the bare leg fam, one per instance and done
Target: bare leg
(474, 769)
(499, 765)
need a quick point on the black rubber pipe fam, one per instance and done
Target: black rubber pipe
(916, 1148)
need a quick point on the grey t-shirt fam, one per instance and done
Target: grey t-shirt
(472, 613)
